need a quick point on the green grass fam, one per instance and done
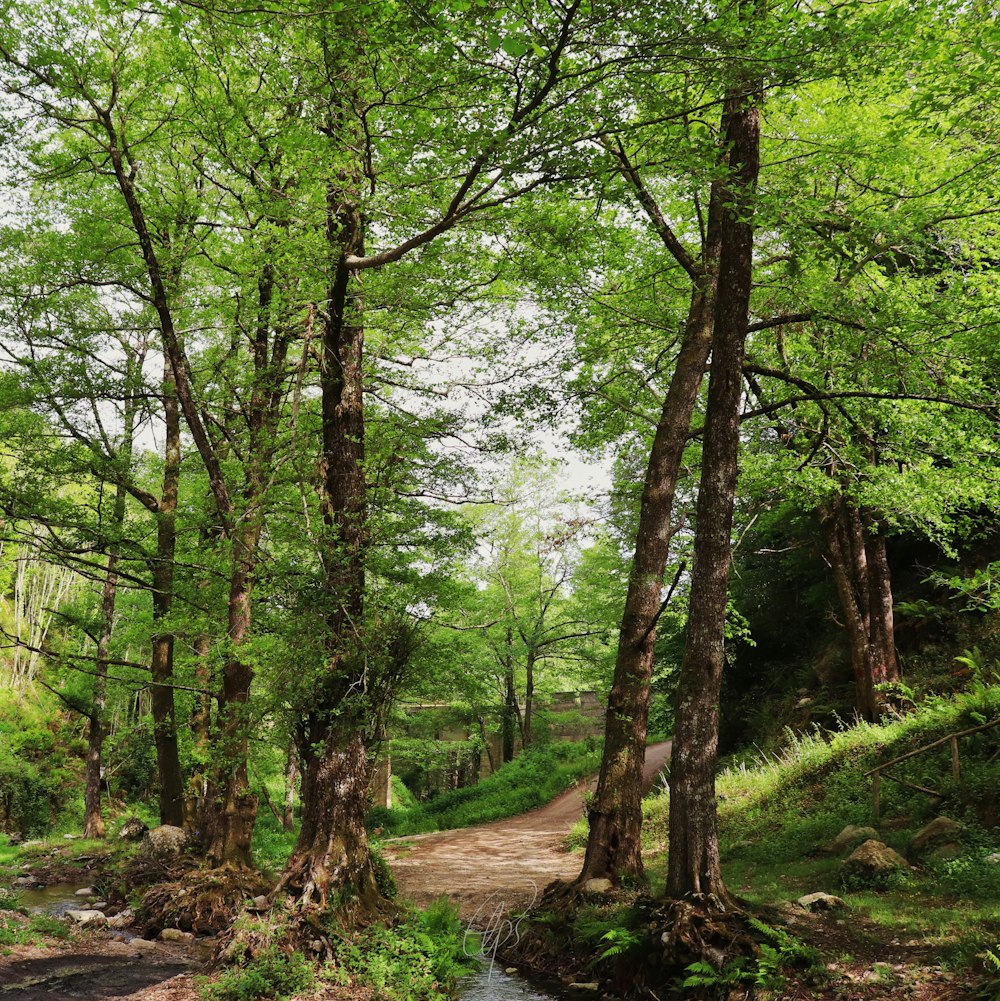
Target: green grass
(527, 782)
(777, 811)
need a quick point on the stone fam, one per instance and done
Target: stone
(945, 853)
(14, 839)
(176, 935)
(586, 987)
(71, 837)
(995, 857)
(144, 946)
(23, 881)
(871, 863)
(510, 971)
(99, 905)
(940, 831)
(163, 842)
(132, 830)
(598, 886)
(88, 918)
(821, 902)
(849, 839)
(86, 891)
(260, 903)
(122, 919)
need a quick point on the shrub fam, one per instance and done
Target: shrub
(416, 960)
(270, 974)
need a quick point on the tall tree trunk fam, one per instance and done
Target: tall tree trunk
(693, 866)
(529, 695)
(162, 659)
(510, 708)
(615, 813)
(291, 782)
(230, 807)
(93, 819)
(856, 549)
(201, 728)
(331, 859)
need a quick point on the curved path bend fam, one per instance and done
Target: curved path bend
(504, 863)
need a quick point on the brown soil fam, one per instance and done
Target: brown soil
(501, 866)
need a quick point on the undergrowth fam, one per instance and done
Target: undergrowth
(416, 958)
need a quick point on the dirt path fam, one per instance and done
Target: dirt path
(503, 863)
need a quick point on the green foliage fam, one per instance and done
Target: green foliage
(38, 770)
(402, 798)
(418, 959)
(529, 781)
(776, 951)
(269, 974)
(618, 941)
(384, 879)
(972, 876)
(988, 988)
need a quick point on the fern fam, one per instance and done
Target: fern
(620, 940)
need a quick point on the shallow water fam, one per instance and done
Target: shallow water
(492, 984)
(55, 900)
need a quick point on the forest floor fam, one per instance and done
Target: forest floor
(501, 866)
(490, 872)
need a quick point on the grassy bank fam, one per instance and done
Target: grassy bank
(529, 781)
(932, 931)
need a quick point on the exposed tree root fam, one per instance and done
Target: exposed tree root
(652, 944)
(204, 901)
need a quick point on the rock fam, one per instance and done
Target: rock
(15, 839)
(86, 891)
(260, 903)
(597, 886)
(143, 946)
(99, 905)
(176, 935)
(510, 971)
(871, 863)
(132, 830)
(940, 831)
(122, 919)
(995, 857)
(586, 987)
(821, 902)
(163, 842)
(71, 837)
(88, 919)
(945, 852)
(23, 881)
(849, 839)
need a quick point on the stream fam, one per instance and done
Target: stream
(122, 971)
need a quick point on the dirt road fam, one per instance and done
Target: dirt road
(503, 864)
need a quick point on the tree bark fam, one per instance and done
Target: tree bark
(162, 658)
(510, 708)
(291, 782)
(93, 822)
(330, 864)
(693, 866)
(615, 813)
(529, 694)
(856, 549)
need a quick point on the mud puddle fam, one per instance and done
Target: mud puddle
(82, 977)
